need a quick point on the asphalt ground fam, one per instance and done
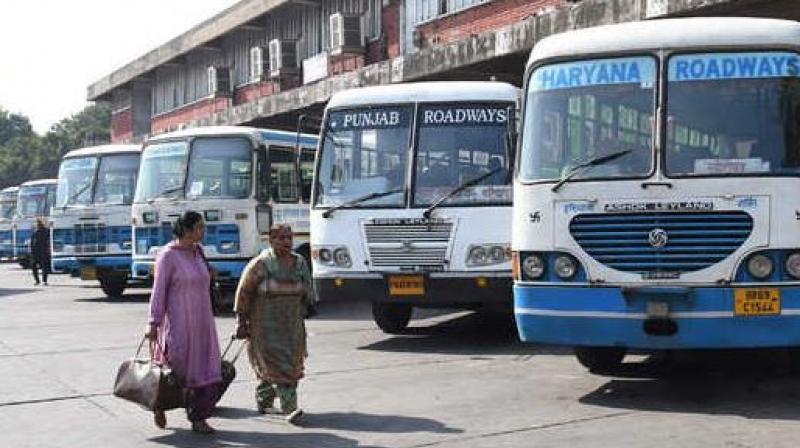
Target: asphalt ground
(457, 379)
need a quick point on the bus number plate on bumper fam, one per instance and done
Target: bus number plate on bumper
(757, 301)
(406, 285)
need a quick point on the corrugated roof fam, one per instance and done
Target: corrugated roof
(218, 25)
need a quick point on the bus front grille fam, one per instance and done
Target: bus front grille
(408, 246)
(661, 241)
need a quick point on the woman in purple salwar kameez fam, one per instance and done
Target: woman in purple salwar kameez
(182, 322)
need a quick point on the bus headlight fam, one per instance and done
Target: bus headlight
(338, 256)
(489, 254)
(477, 256)
(341, 256)
(565, 267)
(212, 215)
(325, 256)
(793, 265)
(760, 266)
(149, 217)
(533, 266)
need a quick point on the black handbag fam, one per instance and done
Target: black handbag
(228, 367)
(148, 383)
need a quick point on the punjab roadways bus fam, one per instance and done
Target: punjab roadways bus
(412, 198)
(91, 221)
(8, 208)
(241, 179)
(656, 201)
(35, 199)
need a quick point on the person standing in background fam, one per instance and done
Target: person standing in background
(40, 251)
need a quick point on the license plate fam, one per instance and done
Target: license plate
(88, 273)
(757, 301)
(406, 285)
(151, 269)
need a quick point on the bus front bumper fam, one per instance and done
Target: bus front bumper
(98, 265)
(437, 290)
(656, 318)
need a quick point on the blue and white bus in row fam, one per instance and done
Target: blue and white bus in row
(241, 179)
(655, 201)
(35, 199)
(91, 220)
(412, 198)
(8, 208)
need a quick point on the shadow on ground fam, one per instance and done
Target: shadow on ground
(126, 298)
(8, 292)
(222, 438)
(752, 384)
(356, 421)
(470, 333)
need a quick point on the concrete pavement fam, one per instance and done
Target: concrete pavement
(456, 380)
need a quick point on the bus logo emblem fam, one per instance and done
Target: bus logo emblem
(658, 238)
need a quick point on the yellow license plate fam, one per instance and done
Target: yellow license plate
(88, 273)
(757, 301)
(406, 285)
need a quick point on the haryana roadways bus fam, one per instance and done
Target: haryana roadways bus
(8, 208)
(656, 201)
(35, 199)
(242, 180)
(91, 220)
(412, 198)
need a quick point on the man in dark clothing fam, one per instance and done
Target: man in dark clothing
(40, 251)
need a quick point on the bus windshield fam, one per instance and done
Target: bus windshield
(163, 169)
(116, 179)
(220, 168)
(75, 181)
(458, 143)
(8, 205)
(582, 110)
(364, 151)
(33, 201)
(733, 114)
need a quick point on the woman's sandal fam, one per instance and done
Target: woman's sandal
(202, 428)
(160, 419)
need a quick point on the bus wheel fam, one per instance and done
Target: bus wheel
(113, 286)
(392, 318)
(600, 359)
(24, 263)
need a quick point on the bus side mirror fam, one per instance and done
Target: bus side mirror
(263, 218)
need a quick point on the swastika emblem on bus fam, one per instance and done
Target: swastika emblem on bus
(658, 238)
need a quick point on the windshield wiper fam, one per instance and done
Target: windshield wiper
(167, 191)
(78, 193)
(599, 160)
(327, 213)
(459, 189)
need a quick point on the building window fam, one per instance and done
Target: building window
(430, 9)
(373, 18)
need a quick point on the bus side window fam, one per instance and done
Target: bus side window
(306, 173)
(283, 174)
(262, 175)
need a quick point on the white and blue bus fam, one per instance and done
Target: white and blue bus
(8, 208)
(243, 180)
(412, 199)
(655, 195)
(35, 199)
(91, 228)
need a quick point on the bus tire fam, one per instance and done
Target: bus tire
(113, 286)
(24, 263)
(391, 318)
(600, 359)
